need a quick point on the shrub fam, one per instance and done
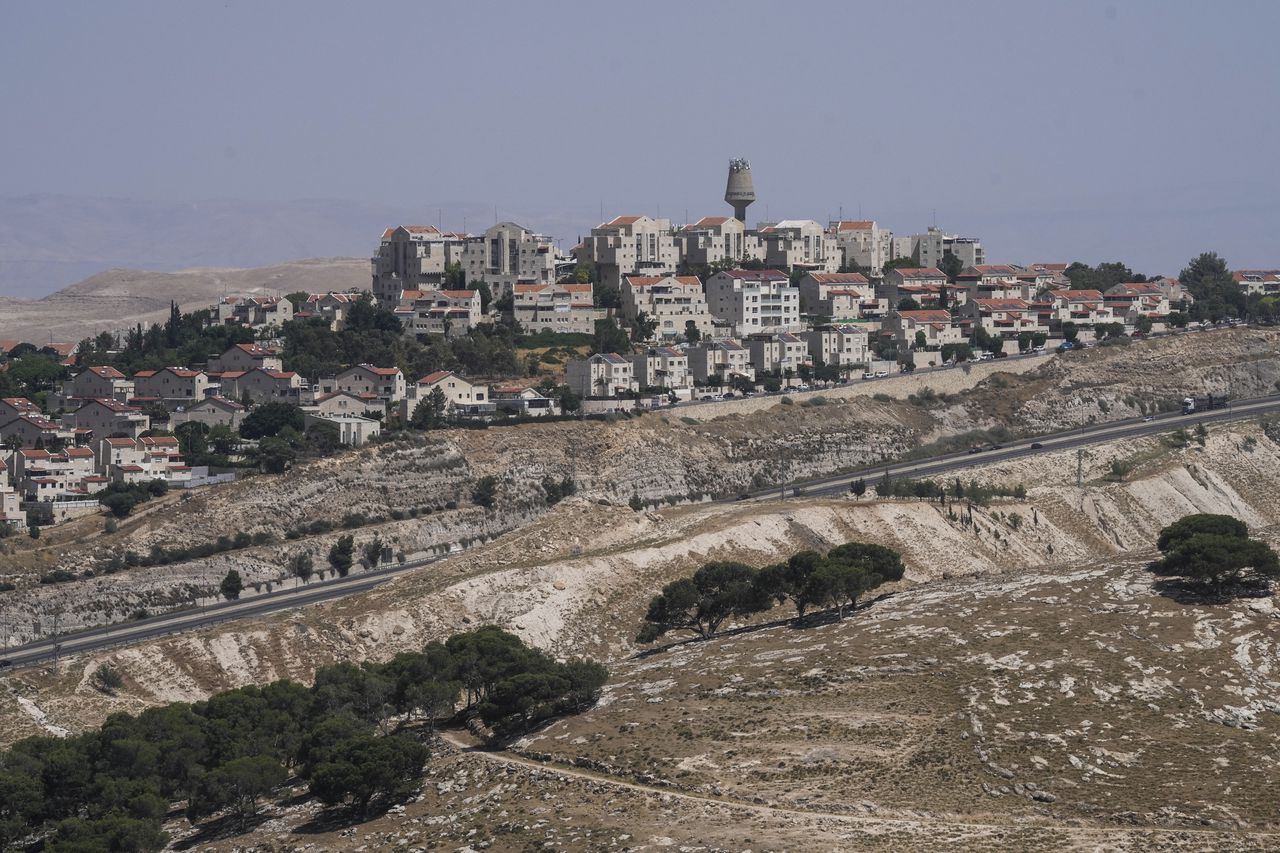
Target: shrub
(57, 576)
(111, 526)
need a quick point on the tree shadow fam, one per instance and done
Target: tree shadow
(1185, 591)
(220, 829)
(341, 817)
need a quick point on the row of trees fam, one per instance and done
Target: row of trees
(354, 736)
(725, 589)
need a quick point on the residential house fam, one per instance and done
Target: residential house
(523, 400)
(460, 395)
(11, 512)
(353, 430)
(11, 407)
(172, 386)
(555, 308)
(1056, 273)
(32, 429)
(840, 294)
(1260, 282)
(1003, 318)
(601, 375)
(348, 403)
(385, 383)
(107, 417)
(42, 475)
(1083, 307)
(779, 352)
(661, 367)
(935, 324)
(331, 307)
(717, 362)
(245, 357)
(254, 312)
(839, 344)
(753, 301)
(673, 302)
(629, 245)
(263, 386)
(211, 411)
(141, 460)
(923, 284)
(103, 382)
(996, 281)
(1130, 300)
(439, 312)
(800, 243)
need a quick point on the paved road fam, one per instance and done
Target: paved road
(1022, 447)
(287, 598)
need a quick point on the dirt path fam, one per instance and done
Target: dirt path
(1095, 838)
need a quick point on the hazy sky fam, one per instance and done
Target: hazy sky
(1144, 131)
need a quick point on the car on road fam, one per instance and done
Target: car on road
(868, 375)
(1002, 354)
(881, 374)
(744, 497)
(1035, 445)
(6, 664)
(974, 449)
(1148, 419)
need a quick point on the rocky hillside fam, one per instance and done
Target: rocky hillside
(660, 458)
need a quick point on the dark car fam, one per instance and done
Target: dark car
(1035, 445)
(1002, 354)
(744, 497)
(975, 450)
(5, 664)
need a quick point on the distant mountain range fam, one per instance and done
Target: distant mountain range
(120, 298)
(48, 242)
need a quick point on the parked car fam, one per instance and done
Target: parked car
(868, 375)
(881, 374)
(1002, 354)
(974, 449)
(1035, 445)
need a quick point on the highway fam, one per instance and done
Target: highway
(300, 596)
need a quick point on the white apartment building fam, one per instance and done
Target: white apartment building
(602, 375)
(629, 245)
(507, 254)
(1003, 318)
(661, 367)
(777, 353)
(840, 344)
(934, 323)
(555, 307)
(331, 307)
(720, 240)
(802, 243)
(673, 302)
(412, 257)
(833, 294)
(930, 248)
(864, 243)
(254, 312)
(11, 512)
(753, 301)
(719, 362)
(365, 380)
(458, 392)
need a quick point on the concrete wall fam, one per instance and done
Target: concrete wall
(950, 380)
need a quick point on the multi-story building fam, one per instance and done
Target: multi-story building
(1003, 318)
(244, 357)
(718, 362)
(780, 352)
(718, 241)
(11, 512)
(935, 324)
(862, 244)
(601, 375)
(800, 243)
(459, 394)
(671, 301)
(997, 281)
(661, 367)
(930, 248)
(211, 411)
(923, 284)
(629, 245)
(11, 407)
(508, 254)
(1261, 282)
(365, 380)
(330, 307)
(839, 344)
(845, 295)
(1137, 298)
(439, 312)
(41, 475)
(106, 417)
(413, 257)
(1082, 307)
(753, 301)
(263, 386)
(172, 386)
(92, 383)
(254, 312)
(555, 308)
(32, 429)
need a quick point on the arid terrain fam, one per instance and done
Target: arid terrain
(1027, 686)
(120, 298)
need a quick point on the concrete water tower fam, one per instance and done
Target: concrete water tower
(739, 191)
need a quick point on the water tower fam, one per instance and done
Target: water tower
(739, 191)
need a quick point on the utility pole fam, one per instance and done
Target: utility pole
(1079, 467)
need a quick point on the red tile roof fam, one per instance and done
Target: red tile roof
(855, 225)
(839, 278)
(920, 272)
(433, 378)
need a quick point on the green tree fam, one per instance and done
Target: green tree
(485, 493)
(906, 303)
(432, 412)
(301, 566)
(1070, 331)
(701, 603)
(238, 784)
(900, 262)
(269, 418)
(486, 295)
(341, 555)
(838, 584)
(1214, 550)
(643, 327)
(1142, 323)
(951, 266)
(364, 767)
(1207, 278)
(691, 333)
(231, 585)
(609, 338)
(275, 455)
(787, 581)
